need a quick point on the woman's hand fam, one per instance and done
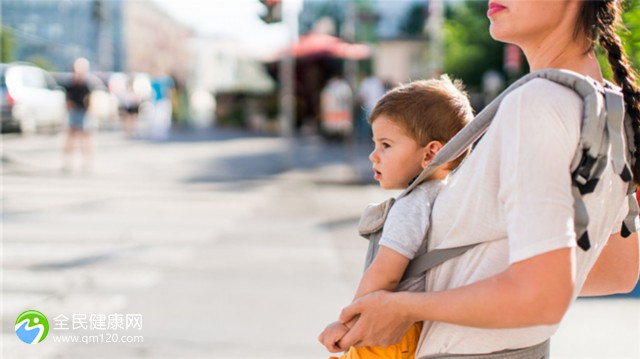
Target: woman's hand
(380, 322)
(331, 335)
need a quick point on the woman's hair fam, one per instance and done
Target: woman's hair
(600, 20)
(428, 110)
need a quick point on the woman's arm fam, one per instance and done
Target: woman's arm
(617, 267)
(534, 291)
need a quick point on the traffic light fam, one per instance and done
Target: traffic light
(274, 11)
(99, 11)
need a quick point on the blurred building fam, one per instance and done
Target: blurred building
(394, 30)
(54, 33)
(400, 60)
(222, 65)
(115, 35)
(239, 82)
(155, 43)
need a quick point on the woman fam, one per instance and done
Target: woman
(513, 194)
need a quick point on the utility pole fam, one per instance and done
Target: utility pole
(349, 35)
(287, 68)
(101, 16)
(433, 30)
(286, 12)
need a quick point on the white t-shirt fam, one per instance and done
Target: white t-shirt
(514, 193)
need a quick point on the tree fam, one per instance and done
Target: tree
(630, 35)
(41, 62)
(469, 49)
(413, 24)
(7, 44)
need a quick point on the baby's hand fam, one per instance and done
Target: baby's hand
(332, 335)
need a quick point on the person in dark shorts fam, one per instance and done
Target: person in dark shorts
(78, 95)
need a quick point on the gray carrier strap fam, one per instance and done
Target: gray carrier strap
(615, 119)
(432, 259)
(631, 224)
(538, 351)
(615, 129)
(602, 129)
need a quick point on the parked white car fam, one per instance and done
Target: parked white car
(30, 99)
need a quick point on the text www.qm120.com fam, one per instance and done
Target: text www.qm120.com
(100, 338)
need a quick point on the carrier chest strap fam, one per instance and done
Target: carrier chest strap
(433, 258)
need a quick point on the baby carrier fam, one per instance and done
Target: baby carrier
(602, 139)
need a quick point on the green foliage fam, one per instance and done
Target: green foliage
(7, 44)
(413, 24)
(41, 62)
(630, 36)
(469, 49)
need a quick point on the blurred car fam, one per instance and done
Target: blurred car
(30, 99)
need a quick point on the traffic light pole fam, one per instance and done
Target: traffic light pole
(433, 29)
(287, 67)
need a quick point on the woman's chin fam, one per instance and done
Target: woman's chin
(496, 34)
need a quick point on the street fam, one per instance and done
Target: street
(221, 244)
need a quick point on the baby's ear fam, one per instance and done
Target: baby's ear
(430, 150)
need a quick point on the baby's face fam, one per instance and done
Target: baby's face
(396, 157)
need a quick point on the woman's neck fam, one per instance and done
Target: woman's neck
(567, 55)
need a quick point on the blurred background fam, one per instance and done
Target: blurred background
(228, 169)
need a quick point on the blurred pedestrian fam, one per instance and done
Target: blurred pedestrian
(410, 125)
(163, 87)
(336, 107)
(370, 91)
(506, 296)
(78, 97)
(121, 85)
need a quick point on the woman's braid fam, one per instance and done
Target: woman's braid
(607, 21)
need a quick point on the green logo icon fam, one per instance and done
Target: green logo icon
(32, 327)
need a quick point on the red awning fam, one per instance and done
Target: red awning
(317, 44)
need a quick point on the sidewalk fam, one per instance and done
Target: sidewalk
(229, 245)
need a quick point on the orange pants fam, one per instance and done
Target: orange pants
(405, 349)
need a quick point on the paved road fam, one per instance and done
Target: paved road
(224, 245)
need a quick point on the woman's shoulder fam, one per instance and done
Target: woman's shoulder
(541, 91)
(541, 106)
(542, 100)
